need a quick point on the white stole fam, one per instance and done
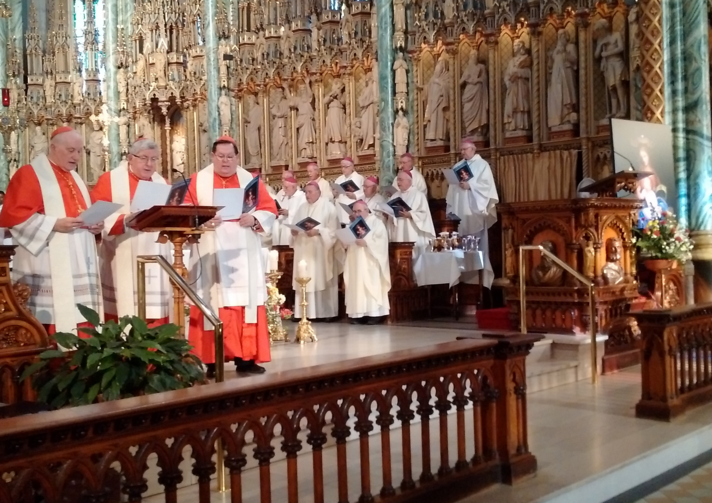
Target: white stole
(121, 193)
(60, 263)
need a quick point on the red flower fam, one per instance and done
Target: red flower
(646, 231)
(678, 238)
(656, 233)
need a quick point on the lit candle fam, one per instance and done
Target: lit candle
(273, 260)
(302, 268)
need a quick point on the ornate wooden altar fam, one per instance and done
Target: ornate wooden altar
(405, 297)
(22, 337)
(588, 234)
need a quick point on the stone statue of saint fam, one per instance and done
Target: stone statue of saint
(225, 112)
(49, 89)
(401, 132)
(610, 48)
(335, 127)
(367, 102)
(517, 79)
(613, 273)
(253, 127)
(306, 134)
(77, 90)
(260, 47)
(510, 268)
(145, 129)
(561, 100)
(95, 148)
(124, 130)
(399, 15)
(39, 143)
(279, 110)
(122, 82)
(347, 28)
(437, 100)
(547, 273)
(475, 96)
(287, 42)
(140, 68)
(159, 68)
(449, 9)
(178, 153)
(589, 260)
(315, 32)
(401, 69)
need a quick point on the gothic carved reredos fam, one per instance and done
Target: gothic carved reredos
(299, 80)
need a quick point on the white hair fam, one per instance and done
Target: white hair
(143, 144)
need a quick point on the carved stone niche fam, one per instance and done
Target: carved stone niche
(580, 231)
(22, 337)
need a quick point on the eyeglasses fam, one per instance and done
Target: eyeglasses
(225, 157)
(147, 159)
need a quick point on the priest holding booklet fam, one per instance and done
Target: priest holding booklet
(347, 188)
(472, 196)
(412, 225)
(289, 202)
(367, 273)
(227, 265)
(122, 244)
(314, 229)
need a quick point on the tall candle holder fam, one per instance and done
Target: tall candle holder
(277, 333)
(305, 332)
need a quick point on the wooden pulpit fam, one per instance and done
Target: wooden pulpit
(176, 224)
(593, 235)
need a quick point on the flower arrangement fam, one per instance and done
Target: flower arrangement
(662, 237)
(286, 313)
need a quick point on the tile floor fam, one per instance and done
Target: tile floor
(693, 488)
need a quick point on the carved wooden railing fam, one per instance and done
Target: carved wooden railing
(676, 360)
(49, 456)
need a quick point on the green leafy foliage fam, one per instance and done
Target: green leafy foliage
(116, 360)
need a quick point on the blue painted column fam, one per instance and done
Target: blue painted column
(386, 84)
(212, 67)
(112, 88)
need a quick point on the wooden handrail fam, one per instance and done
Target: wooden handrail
(46, 450)
(676, 353)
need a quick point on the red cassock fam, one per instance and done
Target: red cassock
(23, 199)
(249, 341)
(102, 192)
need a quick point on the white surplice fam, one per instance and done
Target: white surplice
(344, 199)
(476, 208)
(373, 203)
(418, 229)
(282, 235)
(323, 266)
(325, 188)
(367, 274)
(227, 265)
(418, 181)
(61, 269)
(118, 253)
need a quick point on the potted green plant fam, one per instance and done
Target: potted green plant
(115, 360)
(663, 242)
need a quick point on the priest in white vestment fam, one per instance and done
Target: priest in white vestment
(280, 193)
(367, 273)
(292, 198)
(121, 245)
(348, 173)
(416, 225)
(56, 254)
(316, 248)
(227, 266)
(407, 163)
(372, 197)
(314, 174)
(474, 201)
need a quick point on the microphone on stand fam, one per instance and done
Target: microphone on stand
(196, 217)
(630, 163)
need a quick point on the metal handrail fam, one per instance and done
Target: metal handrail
(209, 315)
(583, 279)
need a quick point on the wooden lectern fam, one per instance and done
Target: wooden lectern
(177, 224)
(580, 230)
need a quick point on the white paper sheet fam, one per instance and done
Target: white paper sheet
(451, 176)
(149, 194)
(346, 236)
(390, 190)
(231, 200)
(347, 208)
(338, 188)
(383, 207)
(293, 227)
(98, 212)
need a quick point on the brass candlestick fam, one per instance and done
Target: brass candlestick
(305, 332)
(277, 333)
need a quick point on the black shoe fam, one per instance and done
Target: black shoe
(255, 369)
(210, 370)
(354, 321)
(373, 321)
(295, 320)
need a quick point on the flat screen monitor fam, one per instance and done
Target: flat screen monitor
(647, 147)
